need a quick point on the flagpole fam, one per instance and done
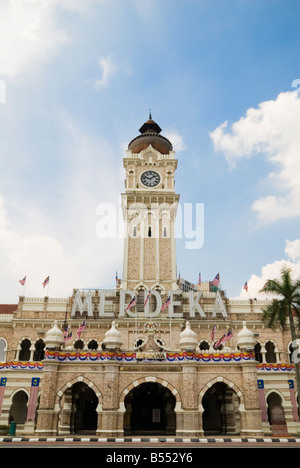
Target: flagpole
(136, 332)
(170, 326)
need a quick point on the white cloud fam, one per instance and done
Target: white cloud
(176, 139)
(273, 271)
(292, 249)
(60, 238)
(273, 130)
(108, 67)
(30, 33)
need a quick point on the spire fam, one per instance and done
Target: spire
(150, 126)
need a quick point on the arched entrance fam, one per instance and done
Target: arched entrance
(84, 403)
(150, 410)
(18, 409)
(221, 415)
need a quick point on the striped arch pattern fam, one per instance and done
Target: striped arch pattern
(162, 382)
(82, 379)
(214, 381)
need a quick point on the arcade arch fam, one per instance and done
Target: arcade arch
(220, 403)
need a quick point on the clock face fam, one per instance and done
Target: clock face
(150, 178)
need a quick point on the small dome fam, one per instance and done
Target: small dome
(112, 339)
(188, 338)
(54, 337)
(150, 135)
(245, 338)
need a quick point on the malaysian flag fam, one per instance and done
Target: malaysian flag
(224, 338)
(131, 304)
(35, 382)
(246, 286)
(216, 280)
(67, 334)
(147, 298)
(46, 281)
(199, 279)
(168, 302)
(80, 330)
(23, 281)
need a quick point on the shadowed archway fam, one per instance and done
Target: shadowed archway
(150, 410)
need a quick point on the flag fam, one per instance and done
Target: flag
(212, 337)
(199, 280)
(224, 338)
(246, 286)
(46, 281)
(216, 280)
(67, 334)
(147, 298)
(23, 281)
(80, 330)
(131, 304)
(33, 399)
(178, 281)
(168, 302)
(3, 381)
(116, 278)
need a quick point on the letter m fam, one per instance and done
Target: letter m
(82, 305)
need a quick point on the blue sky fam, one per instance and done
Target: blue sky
(80, 78)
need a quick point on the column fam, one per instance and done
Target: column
(251, 418)
(187, 421)
(111, 422)
(47, 414)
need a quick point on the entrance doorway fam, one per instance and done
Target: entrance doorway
(84, 403)
(221, 415)
(150, 410)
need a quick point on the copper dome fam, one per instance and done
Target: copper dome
(150, 135)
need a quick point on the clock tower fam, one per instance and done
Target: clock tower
(149, 209)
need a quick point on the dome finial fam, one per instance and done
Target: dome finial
(150, 116)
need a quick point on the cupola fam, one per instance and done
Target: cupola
(150, 135)
(54, 337)
(188, 339)
(245, 339)
(112, 339)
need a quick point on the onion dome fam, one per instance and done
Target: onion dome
(188, 338)
(245, 339)
(150, 135)
(54, 337)
(112, 339)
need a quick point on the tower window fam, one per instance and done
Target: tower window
(165, 232)
(134, 231)
(149, 231)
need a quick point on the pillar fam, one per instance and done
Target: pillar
(251, 418)
(47, 413)
(188, 417)
(110, 424)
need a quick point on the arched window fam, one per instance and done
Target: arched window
(24, 354)
(204, 346)
(78, 344)
(270, 352)
(39, 352)
(2, 350)
(257, 352)
(93, 345)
